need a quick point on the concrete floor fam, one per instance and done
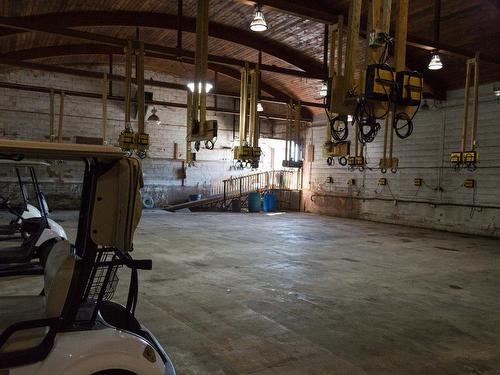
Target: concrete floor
(303, 294)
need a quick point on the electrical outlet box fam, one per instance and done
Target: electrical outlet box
(360, 161)
(456, 157)
(351, 182)
(470, 183)
(329, 180)
(470, 157)
(382, 181)
(418, 182)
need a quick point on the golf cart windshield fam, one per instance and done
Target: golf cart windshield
(19, 184)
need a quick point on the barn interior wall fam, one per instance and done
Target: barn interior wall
(442, 202)
(25, 115)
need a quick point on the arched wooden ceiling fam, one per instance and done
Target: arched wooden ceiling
(292, 42)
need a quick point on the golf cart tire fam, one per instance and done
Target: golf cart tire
(114, 372)
(44, 251)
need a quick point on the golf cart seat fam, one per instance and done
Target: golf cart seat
(18, 309)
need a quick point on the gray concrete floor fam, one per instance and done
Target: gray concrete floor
(303, 294)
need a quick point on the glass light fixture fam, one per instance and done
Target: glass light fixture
(259, 23)
(323, 91)
(208, 87)
(435, 63)
(154, 117)
(260, 108)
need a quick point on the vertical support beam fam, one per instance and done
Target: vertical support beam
(189, 126)
(371, 24)
(437, 20)
(201, 61)
(340, 44)
(466, 105)
(476, 102)
(110, 67)
(401, 34)
(243, 105)
(253, 123)
(326, 66)
(51, 116)
(61, 118)
(140, 88)
(128, 81)
(352, 41)
(298, 111)
(179, 24)
(104, 108)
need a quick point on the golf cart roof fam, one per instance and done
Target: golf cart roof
(23, 163)
(49, 150)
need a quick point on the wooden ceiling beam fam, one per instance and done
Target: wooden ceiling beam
(91, 95)
(54, 22)
(308, 9)
(300, 8)
(101, 49)
(17, 58)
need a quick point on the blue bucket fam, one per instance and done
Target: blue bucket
(195, 197)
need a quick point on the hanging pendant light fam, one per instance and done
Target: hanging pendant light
(259, 23)
(208, 87)
(260, 108)
(323, 91)
(154, 117)
(435, 63)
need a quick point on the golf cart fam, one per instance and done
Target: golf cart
(26, 210)
(73, 327)
(36, 230)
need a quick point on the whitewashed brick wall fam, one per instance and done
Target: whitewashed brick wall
(424, 155)
(25, 115)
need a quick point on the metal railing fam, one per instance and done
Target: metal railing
(271, 180)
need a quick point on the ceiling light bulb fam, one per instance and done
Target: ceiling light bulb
(259, 23)
(496, 92)
(208, 87)
(435, 63)
(323, 91)
(260, 108)
(154, 117)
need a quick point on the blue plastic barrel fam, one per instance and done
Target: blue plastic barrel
(254, 202)
(273, 202)
(269, 202)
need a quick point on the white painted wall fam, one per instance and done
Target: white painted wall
(423, 155)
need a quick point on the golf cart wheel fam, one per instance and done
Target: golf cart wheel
(44, 251)
(141, 154)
